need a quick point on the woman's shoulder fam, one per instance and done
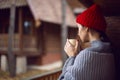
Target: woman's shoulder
(99, 46)
(91, 53)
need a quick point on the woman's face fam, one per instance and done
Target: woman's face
(82, 33)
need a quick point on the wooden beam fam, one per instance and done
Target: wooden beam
(43, 41)
(20, 25)
(64, 29)
(37, 23)
(11, 56)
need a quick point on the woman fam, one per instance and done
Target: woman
(94, 61)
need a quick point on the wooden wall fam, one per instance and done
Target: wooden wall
(49, 36)
(113, 32)
(4, 20)
(52, 38)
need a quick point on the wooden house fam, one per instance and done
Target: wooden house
(37, 35)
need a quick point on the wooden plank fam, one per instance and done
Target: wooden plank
(24, 53)
(20, 29)
(51, 74)
(42, 40)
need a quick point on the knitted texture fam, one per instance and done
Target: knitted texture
(92, 18)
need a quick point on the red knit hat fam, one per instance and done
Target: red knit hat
(92, 18)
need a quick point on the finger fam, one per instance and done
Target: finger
(67, 43)
(76, 46)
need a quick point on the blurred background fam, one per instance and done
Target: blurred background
(33, 34)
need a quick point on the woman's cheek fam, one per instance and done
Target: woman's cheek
(83, 36)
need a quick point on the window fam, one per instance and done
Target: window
(27, 27)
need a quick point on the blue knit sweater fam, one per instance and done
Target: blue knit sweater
(93, 63)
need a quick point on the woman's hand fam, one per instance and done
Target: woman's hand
(70, 49)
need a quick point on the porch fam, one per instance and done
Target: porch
(52, 75)
(27, 48)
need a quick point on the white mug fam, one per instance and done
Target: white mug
(72, 41)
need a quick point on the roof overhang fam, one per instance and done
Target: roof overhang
(44, 10)
(7, 3)
(51, 11)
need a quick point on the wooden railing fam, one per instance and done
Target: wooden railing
(29, 44)
(4, 42)
(53, 75)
